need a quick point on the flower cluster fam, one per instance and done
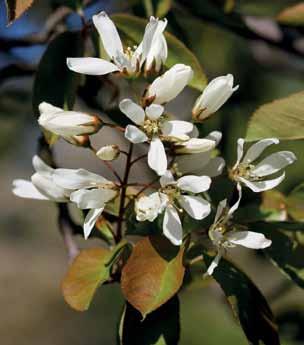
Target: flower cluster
(184, 163)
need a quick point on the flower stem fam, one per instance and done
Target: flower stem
(123, 192)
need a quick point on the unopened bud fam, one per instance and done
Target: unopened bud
(170, 84)
(213, 97)
(108, 153)
(67, 123)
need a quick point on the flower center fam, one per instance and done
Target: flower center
(172, 192)
(244, 170)
(151, 127)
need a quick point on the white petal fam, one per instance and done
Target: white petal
(172, 227)
(135, 135)
(195, 145)
(132, 110)
(194, 184)
(249, 239)
(240, 151)
(157, 159)
(77, 178)
(197, 207)
(234, 207)
(166, 179)
(257, 149)
(41, 167)
(26, 189)
(274, 163)
(90, 220)
(108, 34)
(261, 186)
(45, 107)
(214, 264)
(94, 198)
(219, 211)
(47, 187)
(215, 135)
(157, 55)
(154, 111)
(150, 30)
(176, 128)
(91, 66)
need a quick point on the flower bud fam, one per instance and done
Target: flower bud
(108, 153)
(170, 84)
(67, 123)
(213, 97)
(195, 145)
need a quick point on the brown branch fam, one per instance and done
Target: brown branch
(41, 37)
(124, 187)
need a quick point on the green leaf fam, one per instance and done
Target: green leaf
(295, 203)
(293, 15)
(86, 273)
(162, 8)
(153, 273)
(133, 27)
(54, 82)
(286, 252)
(161, 327)
(15, 8)
(282, 119)
(247, 302)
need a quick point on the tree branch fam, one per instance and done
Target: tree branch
(38, 38)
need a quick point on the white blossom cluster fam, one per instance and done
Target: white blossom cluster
(183, 182)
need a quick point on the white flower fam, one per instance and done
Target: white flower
(213, 97)
(158, 52)
(149, 207)
(67, 123)
(88, 191)
(172, 197)
(252, 174)
(152, 126)
(126, 61)
(41, 186)
(202, 163)
(170, 84)
(224, 235)
(108, 153)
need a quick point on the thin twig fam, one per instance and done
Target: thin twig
(138, 159)
(123, 194)
(38, 38)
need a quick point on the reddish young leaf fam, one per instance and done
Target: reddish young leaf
(15, 8)
(293, 15)
(153, 273)
(86, 273)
